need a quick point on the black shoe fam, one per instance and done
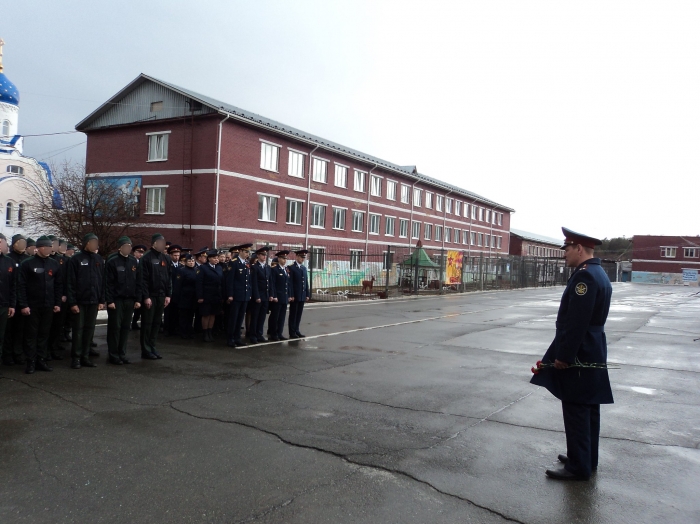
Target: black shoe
(148, 356)
(157, 355)
(93, 344)
(273, 339)
(41, 365)
(9, 361)
(135, 326)
(30, 367)
(87, 363)
(125, 360)
(252, 340)
(261, 339)
(281, 338)
(563, 474)
(57, 356)
(75, 363)
(300, 335)
(240, 343)
(564, 459)
(66, 338)
(231, 343)
(115, 361)
(49, 358)
(293, 336)
(93, 352)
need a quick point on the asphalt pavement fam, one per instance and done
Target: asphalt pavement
(405, 411)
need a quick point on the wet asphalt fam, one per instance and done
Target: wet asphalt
(425, 415)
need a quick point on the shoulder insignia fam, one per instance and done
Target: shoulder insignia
(581, 289)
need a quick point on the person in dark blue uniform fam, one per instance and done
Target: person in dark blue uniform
(239, 291)
(283, 294)
(12, 349)
(262, 279)
(579, 340)
(171, 314)
(209, 288)
(301, 293)
(186, 283)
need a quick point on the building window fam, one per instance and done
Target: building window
(355, 259)
(438, 233)
(688, 252)
(358, 218)
(493, 242)
(157, 147)
(374, 224)
(465, 237)
(156, 106)
(388, 261)
(376, 186)
(405, 193)
(390, 190)
(480, 239)
(320, 171)
(20, 215)
(267, 208)
(360, 181)
(15, 170)
(389, 226)
(9, 214)
(415, 230)
(403, 228)
(456, 236)
(318, 258)
(439, 200)
(341, 176)
(427, 230)
(448, 234)
(338, 218)
(474, 211)
(269, 157)
(155, 200)
(668, 252)
(417, 197)
(481, 214)
(429, 200)
(294, 210)
(500, 219)
(487, 240)
(458, 208)
(6, 128)
(448, 205)
(318, 215)
(296, 164)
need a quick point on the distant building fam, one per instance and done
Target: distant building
(525, 244)
(22, 178)
(666, 259)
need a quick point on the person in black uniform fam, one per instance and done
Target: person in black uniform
(121, 299)
(261, 277)
(300, 292)
(171, 313)
(137, 251)
(283, 288)
(155, 289)
(13, 348)
(65, 336)
(31, 247)
(210, 287)
(186, 283)
(86, 296)
(579, 340)
(200, 257)
(8, 291)
(59, 319)
(39, 289)
(239, 291)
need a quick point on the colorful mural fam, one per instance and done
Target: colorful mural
(129, 187)
(648, 277)
(337, 275)
(453, 270)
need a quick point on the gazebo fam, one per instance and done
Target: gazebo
(418, 271)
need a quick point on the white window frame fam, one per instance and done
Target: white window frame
(427, 231)
(375, 219)
(458, 208)
(162, 200)
(448, 235)
(300, 211)
(415, 235)
(405, 194)
(456, 235)
(269, 156)
(341, 176)
(356, 259)
(428, 200)
(438, 233)
(261, 211)
(668, 252)
(481, 214)
(391, 189)
(153, 141)
(295, 164)
(319, 170)
(417, 197)
(361, 216)
(360, 181)
(375, 185)
(439, 202)
(448, 205)
(403, 227)
(318, 218)
(342, 211)
(387, 221)
(691, 252)
(475, 211)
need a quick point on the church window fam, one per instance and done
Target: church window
(5, 128)
(17, 170)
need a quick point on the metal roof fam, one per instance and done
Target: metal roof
(526, 235)
(278, 127)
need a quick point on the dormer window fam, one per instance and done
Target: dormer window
(156, 106)
(5, 128)
(15, 170)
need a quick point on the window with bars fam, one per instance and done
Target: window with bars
(296, 164)
(294, 211)
(318, 258)
(267, 208)
(355, 259)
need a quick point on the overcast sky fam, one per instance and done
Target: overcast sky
(583, 114)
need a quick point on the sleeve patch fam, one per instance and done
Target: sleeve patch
(581, 289)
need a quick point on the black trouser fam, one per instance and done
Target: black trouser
(236, 316)
(118, 324)
(150, 324)
(254, 310)
(172, 319)
(59, 319)
(12, 346)
(295, 311)
(582, 427)
(3, 327)
(83, 324)
(275, 325)
(137, 316)
(197, 321)
(260, 319)
(37, 329)
(186, 316)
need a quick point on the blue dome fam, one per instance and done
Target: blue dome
(8, 91)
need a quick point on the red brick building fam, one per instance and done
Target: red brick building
(665, 259)
(525, 244)
(207, 173)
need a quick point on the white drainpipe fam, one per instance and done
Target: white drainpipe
(218, 178)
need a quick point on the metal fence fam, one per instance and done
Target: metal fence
(340, 274)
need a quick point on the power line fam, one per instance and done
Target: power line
(57, 133)
(59, 151)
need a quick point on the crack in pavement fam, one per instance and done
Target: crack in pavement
(32, 446)
(348, 459)
(34, 386)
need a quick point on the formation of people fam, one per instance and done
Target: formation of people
(51, 293)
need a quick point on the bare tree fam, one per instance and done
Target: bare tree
(74, 204)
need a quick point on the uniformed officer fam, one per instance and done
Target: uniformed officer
(300, 292)
(65, 337)
(186, 283)
(171, 313)
(8, 292)
(86, 296)
(59, 319)
(155, 289)
(121, 297)
(239, 291)
(580, 340)
(137, 251)
(31, 247)
(201, 256)
(13, 349)
(39, 289)
(261, 277)
(283, 294)
(209, 286)
(70, 250)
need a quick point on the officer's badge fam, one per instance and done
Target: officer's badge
(50, 272)
(581, 289)
(163, 263)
